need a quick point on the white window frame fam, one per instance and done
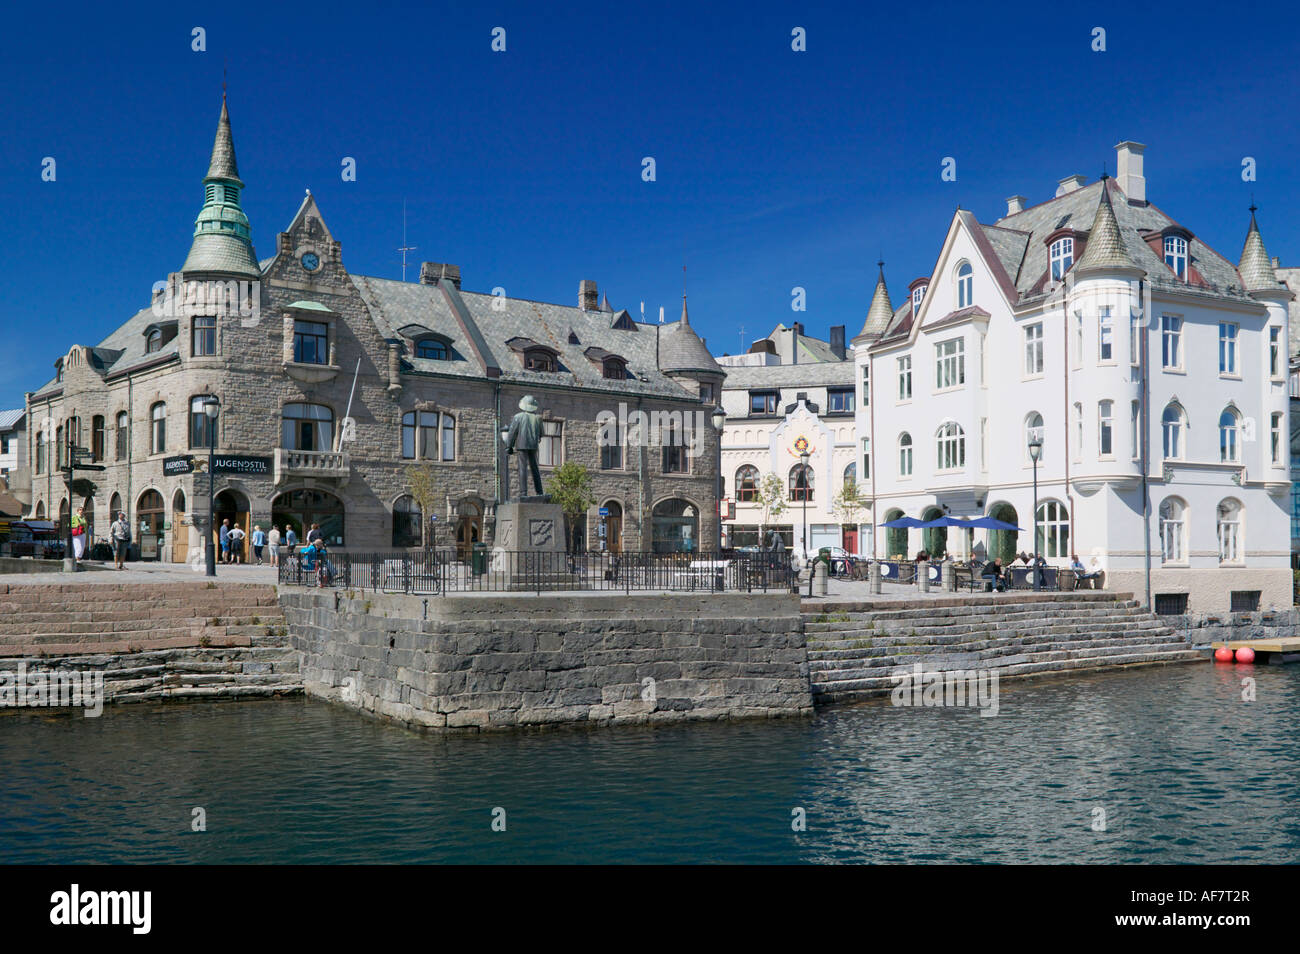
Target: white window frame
(1174, 428)
(905, 456)
(1061, 254)
(1078, 432)
(1275, 352)
(904, 378)
(965, 285)
(1275, 436)
(1173, 531)
(1135, 414)
(866, 385)
(1078, 339)
(1176, 257)
(1134, 339)
(1171, 340)
(1105, 336)
(1053, 521)
(1106, 430)
(950, 364)
(950, 448)
(1229, 332)
(1228, 529)
(1230, 437)
(918, 296)
(1030, 428)
(1034, 350)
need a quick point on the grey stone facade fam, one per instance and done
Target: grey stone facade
(601, 362)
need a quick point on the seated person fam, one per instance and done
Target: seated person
(308, 556)
(1080, 573)
(325, 569)
(993, 576)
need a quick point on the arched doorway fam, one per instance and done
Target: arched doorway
(89, 504)
(934, 540)
(408, 523)
(301, 508)
(1002, 543)
(180, 532)
(469, 528)
(40, 510)
(895, 537)
(613, 524)
(675, 526)
(233, 506)
(150, 511)
(63, 519)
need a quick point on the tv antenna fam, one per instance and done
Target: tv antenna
(405, 248)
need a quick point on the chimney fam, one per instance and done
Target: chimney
(433, 272)
(588, 300)
(794, 343)
(1070, 183)
(1128, 167)
(1015, 203)
(837, 341)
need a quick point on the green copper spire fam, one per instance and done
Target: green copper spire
(222, 239)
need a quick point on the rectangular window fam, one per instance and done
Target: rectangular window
(310, 342)
(984, 443)
(1244, 601)
(762, 403)
(1171, 342)
(1078, 432)
(950, 364)
(1034, 349)
(1134, 412)
(40, 453)
(1275, 437)
(905, 378)
(1227, 347)
(611, 447)
(427, 433)
(1105, 429)
(674, 449)
(706, 393)
(549, 449)
(866, 385)
(840, 400)
(122, 431)
(1134, 340)
(1078, 338)
(1274, 352)
(1105, 333)
(866, 458)
(4, 444)
(204, 335)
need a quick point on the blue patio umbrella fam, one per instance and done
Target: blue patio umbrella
(904, 523)
(946, 522)
(992, 523)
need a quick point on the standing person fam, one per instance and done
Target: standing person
(120, 532)
(290, 539)
(236, 544)
(314, 535)
(273, 541)
(259, 541)
(223, 538)
(79, 533)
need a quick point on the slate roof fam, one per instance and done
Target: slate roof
(9, 418)
(1106, 248)
(128, 344)
(818, 374)
(680, 348)
(1256, 268)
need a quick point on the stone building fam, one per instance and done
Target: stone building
(13, 453)
(332, 385)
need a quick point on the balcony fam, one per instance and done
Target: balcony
(326, 465)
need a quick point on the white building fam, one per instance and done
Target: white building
(13, 451)
(776, 410)
(1153, 370)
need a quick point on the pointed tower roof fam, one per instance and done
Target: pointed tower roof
(680, 348)
(1105, 249)
(881, 311)
(1256, 268)
(223, 242)
(604, 304)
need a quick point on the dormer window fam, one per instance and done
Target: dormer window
(153, 342)
(1061, 253)
(614, 369)
(431, 348)
(918, 296)
(58, 370)
(1176, 255)
(533, 355)
(539, 360)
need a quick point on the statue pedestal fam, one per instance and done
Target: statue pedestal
(528, 551)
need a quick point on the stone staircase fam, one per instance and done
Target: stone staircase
(854, 647)
(153, 641)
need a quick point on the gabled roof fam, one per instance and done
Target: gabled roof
(9, 418)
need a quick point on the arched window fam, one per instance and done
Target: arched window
(153, 342)
(40, 510)
(431, 348)
(408, 521)
(1062, 256)
(1229, 442)
(851, 474)
(904, 455)
(158, 428)
(918, 296)
(747, 484)
(1231, 549)
(114, 506)
(203, 431)
(1172, 422)
(1176, 254)
(123, 432)
(307, 427)
(1053, 530)
(895, 537)
(1173, 530)
(965, 285)
(950, 447)
(1033, 429)
(801, 483)
(615, 369)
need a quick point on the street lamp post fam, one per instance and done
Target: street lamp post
(211, 407)
(803, 475)
(1035, 452)
(719, 419)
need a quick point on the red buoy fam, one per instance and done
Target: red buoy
(1245, 655)
(1223, 654)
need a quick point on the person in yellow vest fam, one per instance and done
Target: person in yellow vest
(79, 533)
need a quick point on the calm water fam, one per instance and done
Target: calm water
(1185, 771)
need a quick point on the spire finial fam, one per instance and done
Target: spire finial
(224, 68)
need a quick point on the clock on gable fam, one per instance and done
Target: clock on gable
(310, 261)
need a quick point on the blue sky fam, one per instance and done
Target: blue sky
(775, 168)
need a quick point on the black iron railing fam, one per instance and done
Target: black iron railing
(429, 572)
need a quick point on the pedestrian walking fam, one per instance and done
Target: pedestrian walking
(259, 541)
(237, 544)
(79, 533)
(273, 543)
(290, 540)
(223, 538)
(120, 532)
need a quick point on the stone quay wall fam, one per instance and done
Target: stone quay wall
(500, 661)
(1202, 629)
